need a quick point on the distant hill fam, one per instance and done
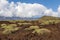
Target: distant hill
(49, 18)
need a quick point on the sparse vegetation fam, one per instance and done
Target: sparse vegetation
(47, 22)
(9, 28)
(32, 27)
(39, 29)
(42, 31)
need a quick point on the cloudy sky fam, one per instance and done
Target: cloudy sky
(29, 8)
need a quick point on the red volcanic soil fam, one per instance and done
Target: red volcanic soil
(27, 35)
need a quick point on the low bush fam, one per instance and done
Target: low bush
(32, 27)
(42, 31)
(45, 23)
(9, 28)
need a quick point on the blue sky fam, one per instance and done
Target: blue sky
(48, 3)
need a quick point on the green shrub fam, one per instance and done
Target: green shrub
(12, 21)
(13, 25)
(19, 23)
(45, 23)
(3, 24)
(32, 27)
(42, 31)
(57, 21)
(9, 28)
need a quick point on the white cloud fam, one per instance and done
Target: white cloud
(58, 11)
(50, 12)
(25, 9)
(30, 10)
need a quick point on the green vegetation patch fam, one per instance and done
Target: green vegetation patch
(9, 28)
(42, 31)
(32, 27)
